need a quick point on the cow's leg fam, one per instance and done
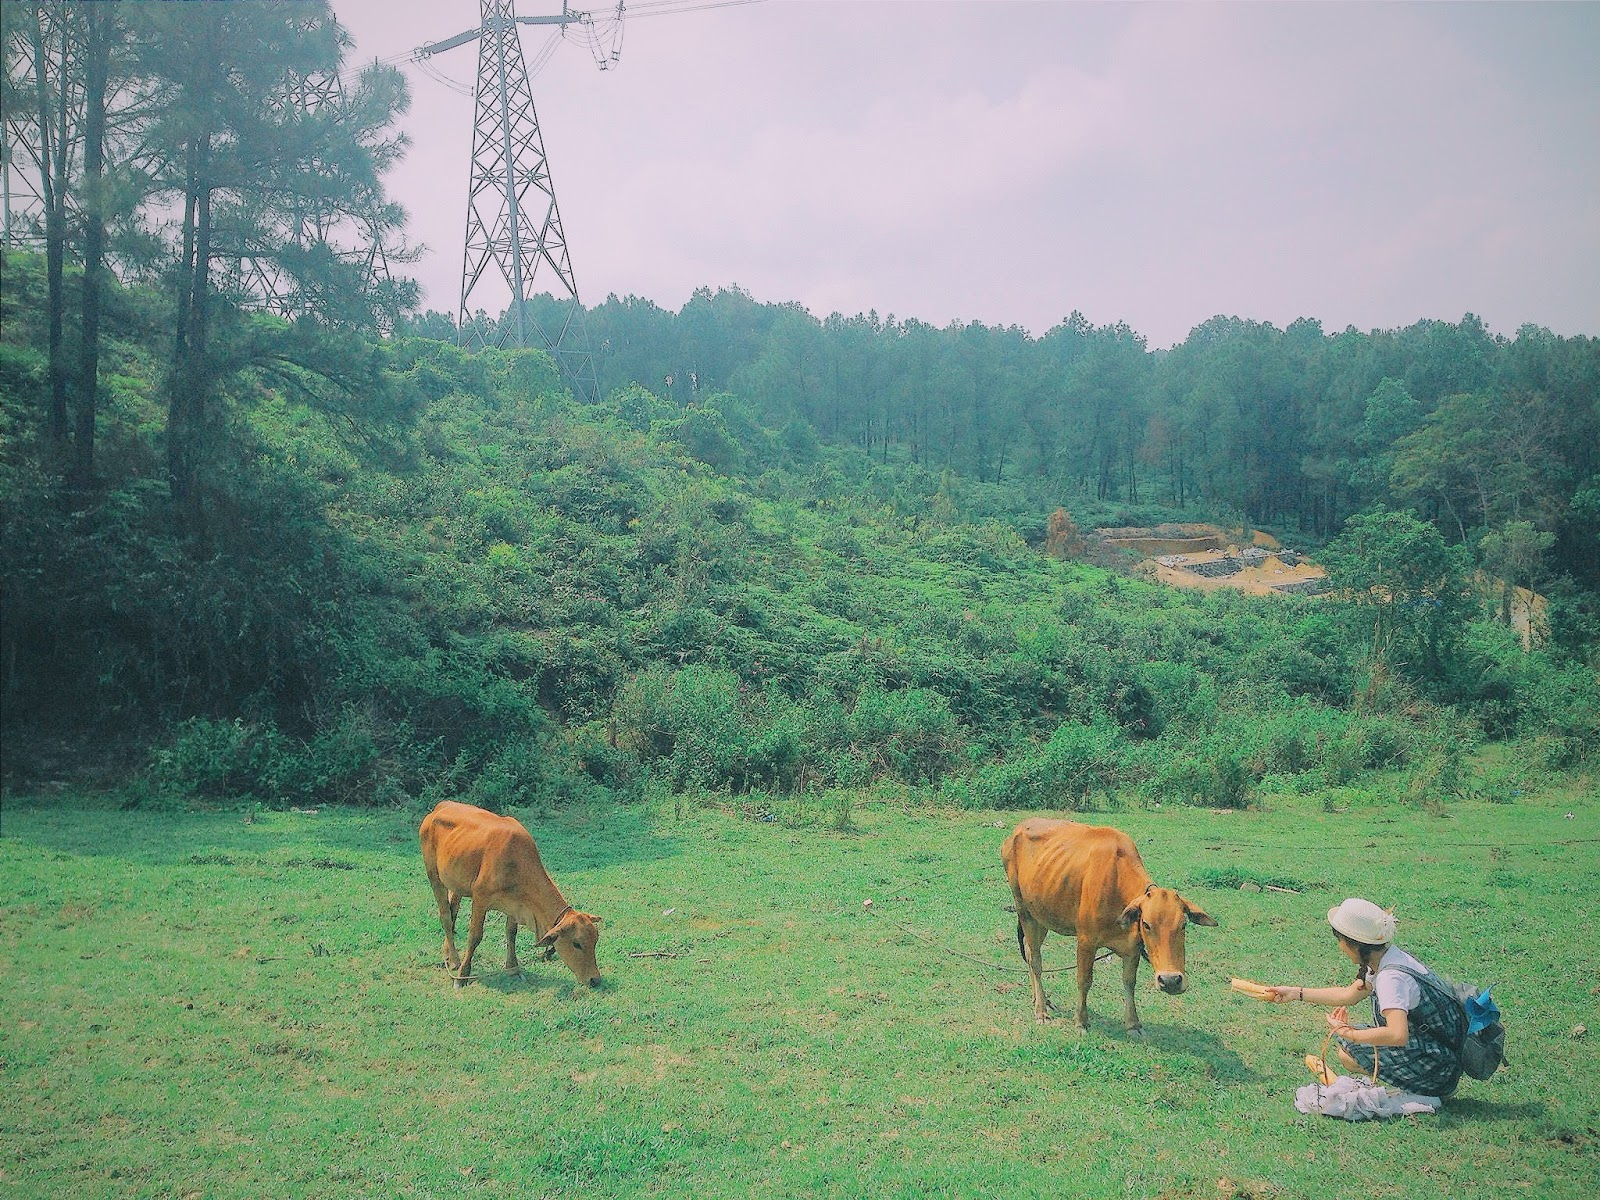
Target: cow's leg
(1030, 939)
(455, 911)
(512, 965)
(1130, 980)
(1086, 949)
(474, 935)
(448, 903)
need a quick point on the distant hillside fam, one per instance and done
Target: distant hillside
(450, 578)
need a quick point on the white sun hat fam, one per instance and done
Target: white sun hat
(1362, 921)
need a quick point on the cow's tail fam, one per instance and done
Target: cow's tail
(1008, 857)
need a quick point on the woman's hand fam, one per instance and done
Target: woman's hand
(1283, 995)
(1339, 1021)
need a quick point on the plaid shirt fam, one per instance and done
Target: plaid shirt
(1430, 1061)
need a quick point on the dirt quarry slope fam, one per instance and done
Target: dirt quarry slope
(1165, 539)
(1209, 557)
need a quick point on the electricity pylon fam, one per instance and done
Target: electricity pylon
(42, 54)
(359, 239)
(513, 223)
(25, 163)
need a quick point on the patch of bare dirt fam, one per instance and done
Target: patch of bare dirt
(1210, 558)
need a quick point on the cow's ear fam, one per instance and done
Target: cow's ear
(549, 939)
(1130, 915)
(1197, 915)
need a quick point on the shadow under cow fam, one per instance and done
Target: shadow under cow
(1222, 1063)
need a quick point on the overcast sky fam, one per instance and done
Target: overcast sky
(1009, 163)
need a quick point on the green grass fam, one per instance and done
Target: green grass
(200, 1005)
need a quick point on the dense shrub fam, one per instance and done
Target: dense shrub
(702, 727)
(243, 760)
(1218, 780)
(911, 735)
(1167, 694)
(1074, 764)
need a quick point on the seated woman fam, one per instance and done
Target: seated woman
(1419, 1024)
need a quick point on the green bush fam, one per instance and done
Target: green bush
(354, 758)
(1442, 775)
(1220, 780)
(593, 751)
(686, 725)
(1561, 702)
(910, 735)
(515, 777)
(1384, 741)
(1168, 694)
(1341, 760)
(1077, 762)
(227, 760)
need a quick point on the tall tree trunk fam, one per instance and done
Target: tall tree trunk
(55, 235)
(98, 54)
(191, 377)
(178, 433)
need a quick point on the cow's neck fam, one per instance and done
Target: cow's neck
(540, 907)
(1132, 880)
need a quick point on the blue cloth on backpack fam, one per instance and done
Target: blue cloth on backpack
(1482, 1011)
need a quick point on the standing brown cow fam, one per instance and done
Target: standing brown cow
(492, 860)
(1089, 880)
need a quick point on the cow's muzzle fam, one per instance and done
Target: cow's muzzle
(1170, 982)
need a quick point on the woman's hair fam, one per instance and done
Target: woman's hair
(1365, 951)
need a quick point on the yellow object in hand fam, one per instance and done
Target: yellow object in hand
(1256, 991)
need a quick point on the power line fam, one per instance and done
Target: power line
(685, 8)
(438, 76)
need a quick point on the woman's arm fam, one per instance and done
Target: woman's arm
(1328, 995)
(1397, 1031)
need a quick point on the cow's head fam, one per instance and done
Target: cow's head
(1160, 916)
(573, 937)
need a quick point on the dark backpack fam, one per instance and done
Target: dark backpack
(1482, 1048)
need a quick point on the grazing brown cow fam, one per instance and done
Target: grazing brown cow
(1089, 880)
(492, 860)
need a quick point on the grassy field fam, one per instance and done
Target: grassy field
(205, 1005)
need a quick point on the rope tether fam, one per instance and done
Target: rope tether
(983, 962)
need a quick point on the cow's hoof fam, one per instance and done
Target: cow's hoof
(462, 982)
(1042, 1018)
(1136, 1032)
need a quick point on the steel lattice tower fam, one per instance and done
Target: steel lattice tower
(356, 239)
(22, 164)
(513, 224)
